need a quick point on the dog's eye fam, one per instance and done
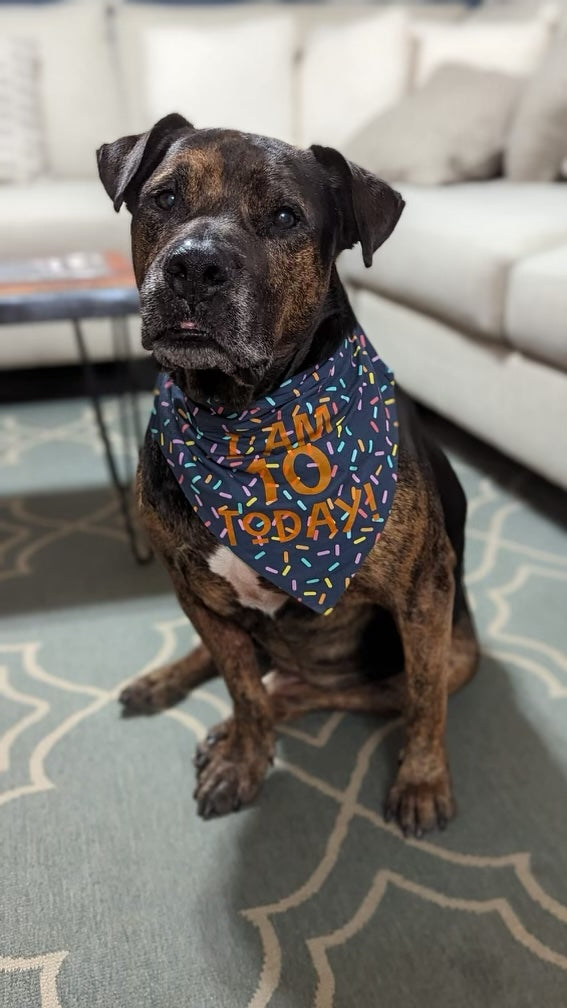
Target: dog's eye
(285, 218)
(165, 199)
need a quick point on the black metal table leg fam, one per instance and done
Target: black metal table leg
(124, 353)
(121, 487)
(121, 348)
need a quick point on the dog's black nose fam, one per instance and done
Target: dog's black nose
(195, 271)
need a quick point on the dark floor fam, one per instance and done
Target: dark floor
(68, 382)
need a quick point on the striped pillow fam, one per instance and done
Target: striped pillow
(22, 150)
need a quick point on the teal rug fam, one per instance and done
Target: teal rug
(114, 894)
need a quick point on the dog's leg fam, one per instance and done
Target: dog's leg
(165, 686)
(421, 796)
(232, 761)
(465, 652)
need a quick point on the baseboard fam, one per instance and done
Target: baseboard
(67, 381)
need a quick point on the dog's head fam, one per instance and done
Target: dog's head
(234, 238)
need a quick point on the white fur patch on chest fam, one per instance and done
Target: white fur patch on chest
(244, 581)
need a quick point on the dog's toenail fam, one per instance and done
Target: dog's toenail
(206, 808)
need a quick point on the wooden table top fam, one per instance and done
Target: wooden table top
(77, 285)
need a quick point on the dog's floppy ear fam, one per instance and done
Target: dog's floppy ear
(124, 164)
(369, 208)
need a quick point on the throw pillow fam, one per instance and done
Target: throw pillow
(351, 71)
(80, 106)
(451, 130)
(236, 75)
(537, 144)
(512, 46)
(22, 154)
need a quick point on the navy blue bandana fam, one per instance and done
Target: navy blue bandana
(299, 485)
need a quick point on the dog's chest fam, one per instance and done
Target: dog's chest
(244, 581)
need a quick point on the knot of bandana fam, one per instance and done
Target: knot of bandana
(299, 485)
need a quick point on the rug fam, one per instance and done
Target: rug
(114, 894)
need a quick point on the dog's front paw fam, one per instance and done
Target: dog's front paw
(152, 692)
(420, 801)
(230, 769)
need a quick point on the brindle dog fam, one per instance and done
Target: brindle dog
(234, 242)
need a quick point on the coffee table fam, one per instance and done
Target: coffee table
(72, 288)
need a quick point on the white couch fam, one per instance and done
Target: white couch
(468, 302)
(468, 299)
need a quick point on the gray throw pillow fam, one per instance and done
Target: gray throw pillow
(452, 129)
(537, 144)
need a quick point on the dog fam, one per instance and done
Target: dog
(234, 242)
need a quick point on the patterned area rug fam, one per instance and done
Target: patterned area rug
(114, 893)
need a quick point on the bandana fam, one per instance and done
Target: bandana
(299, 485)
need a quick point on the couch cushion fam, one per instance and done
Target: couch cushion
(80, 100)
(508, 44)
(22, 149)
(536, 307)
(348, 73)
(537, 143)
(256, 56)
(451, 253)
(460, 115)
(135, 22)
(55, 216)
(496, 392)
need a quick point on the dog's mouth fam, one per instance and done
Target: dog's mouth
(192, 334)
(199, 339)
(212, 375)
(185, 330)
(191, 348)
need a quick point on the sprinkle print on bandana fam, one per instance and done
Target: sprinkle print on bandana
(300, 484)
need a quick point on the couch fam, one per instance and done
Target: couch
(468, 299)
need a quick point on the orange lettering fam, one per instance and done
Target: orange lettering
(350, 509)
(277, 437)
(232, 445)
(304, 429)
(260, 466)
(370, 498)
(257, 533)
(228, 515)
(320, 515)
(285, 534)
(321, 461)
